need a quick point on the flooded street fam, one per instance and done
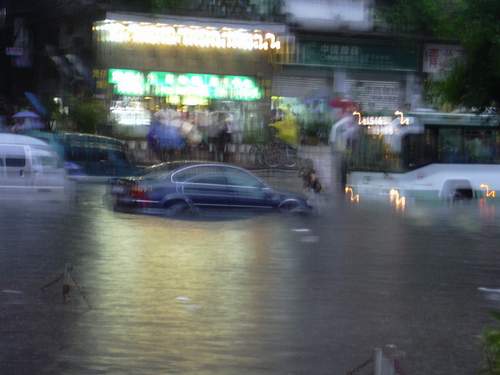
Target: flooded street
(246, 295)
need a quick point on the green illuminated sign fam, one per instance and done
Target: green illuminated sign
(358, 56)
(211, 86)
(127, 82)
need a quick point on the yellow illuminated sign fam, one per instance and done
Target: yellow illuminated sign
(402, 120)
(380, 120)
(487, 192)
(352, 197)
(397, 200)
(187, 36)
(372, 120)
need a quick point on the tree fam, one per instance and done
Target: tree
(89, 115)
(474, 82)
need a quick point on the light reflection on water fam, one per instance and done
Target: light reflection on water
(470, 216)
(188, 288)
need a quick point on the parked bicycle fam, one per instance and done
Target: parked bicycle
(276, 154)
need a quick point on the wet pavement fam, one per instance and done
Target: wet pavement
(249, 294)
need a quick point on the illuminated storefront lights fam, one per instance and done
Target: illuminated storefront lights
(380, 120)
(127, 82)
(187, 36)
(166, 84)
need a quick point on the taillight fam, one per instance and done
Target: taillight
(138, 192)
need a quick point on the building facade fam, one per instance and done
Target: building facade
(240, 59)
(202, 67)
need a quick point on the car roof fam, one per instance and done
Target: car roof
(16, 139)
(174, 165)
(90, 137)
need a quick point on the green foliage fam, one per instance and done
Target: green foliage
(474, 82)
(88, 115)
(407, 16)
(254, 138)
(317, 129)
(159, 6)
(491, 349)
(150, 6)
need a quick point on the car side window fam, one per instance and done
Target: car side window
(238, 177)
(15, 156)
(209, 178)
(189, 173)
(76, 153)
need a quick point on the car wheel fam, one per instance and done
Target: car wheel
(289, 158)
(289, 162)
(290, 207)
(177, 208)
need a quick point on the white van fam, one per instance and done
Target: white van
(30, 169)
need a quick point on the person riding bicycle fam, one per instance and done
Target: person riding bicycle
(282, 147)
(286, 127)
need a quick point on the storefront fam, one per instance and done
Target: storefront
(205, 69)
(377, 75)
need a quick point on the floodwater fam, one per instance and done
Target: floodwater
(247, 295)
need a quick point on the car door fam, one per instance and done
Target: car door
(16, 177)
(47, 171)
(247, 191)
(204, 185)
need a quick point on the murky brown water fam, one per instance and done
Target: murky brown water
(255, 295)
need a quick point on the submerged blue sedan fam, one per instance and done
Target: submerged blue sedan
(191, 186)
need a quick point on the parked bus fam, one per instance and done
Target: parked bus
(430, 156)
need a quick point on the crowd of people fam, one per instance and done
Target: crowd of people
(172, 135)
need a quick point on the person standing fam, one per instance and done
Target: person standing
(221, 143)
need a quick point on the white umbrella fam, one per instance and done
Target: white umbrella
(342, 131)
(25, 114)
(28, 121)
